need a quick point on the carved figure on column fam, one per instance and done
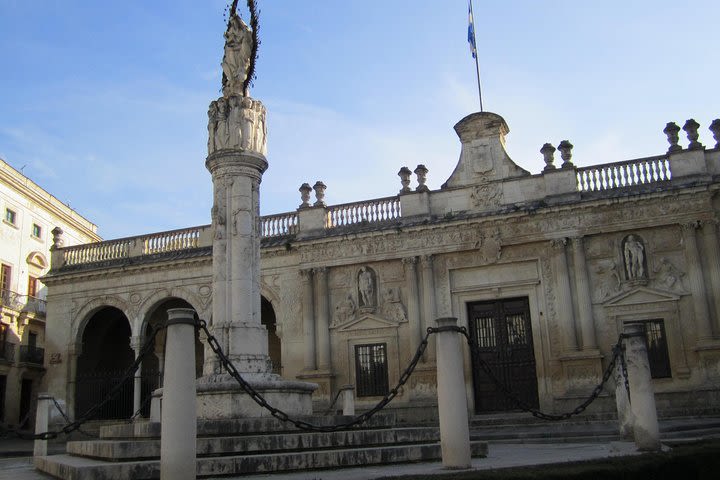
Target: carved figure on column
(236, 60)
(235, 122)
(634, 254)
(260, 128)
(247, 124)
(221, 128)
(366, 287)
(212, 125)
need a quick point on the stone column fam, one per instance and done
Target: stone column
(236, 177)
(697, 282)
(178, 429)
(712, 263)
(136, 345)
(323, 319)
(428, 297)
(42, 423)
(348, 393)
(74, 352)
(563, 296)
(411, 283)
(308, 319)
(642, 397)
(452, 401)
(582, 286)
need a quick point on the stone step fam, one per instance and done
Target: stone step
(236, 426)
(81, 468)
(122, 450)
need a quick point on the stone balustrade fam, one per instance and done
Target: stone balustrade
(279, 225)
(311, 219)
(171, 241)
(369, 211)
(623, 174)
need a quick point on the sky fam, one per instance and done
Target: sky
(104, 104)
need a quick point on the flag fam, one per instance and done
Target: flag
(471, 31)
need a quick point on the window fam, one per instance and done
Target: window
(32, 287)
(656, 343)
(5, 277)
(36, 230)
(10, 216)
(371, 370)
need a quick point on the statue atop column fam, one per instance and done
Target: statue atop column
(237, 57)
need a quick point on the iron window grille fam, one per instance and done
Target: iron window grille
(371, 370)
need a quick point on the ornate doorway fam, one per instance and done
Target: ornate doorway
(503, 334)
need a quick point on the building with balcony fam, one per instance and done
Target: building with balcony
(29, 214)
(543, 269)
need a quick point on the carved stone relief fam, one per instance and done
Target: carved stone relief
(367, 288)
(237, 123)
(634, 257)
(486, 195)
(666, 276)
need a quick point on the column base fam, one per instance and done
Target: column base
(221, 397)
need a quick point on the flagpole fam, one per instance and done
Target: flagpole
(477, 65)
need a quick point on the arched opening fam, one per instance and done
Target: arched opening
(106, 356)
(153, 363)
(267, 318)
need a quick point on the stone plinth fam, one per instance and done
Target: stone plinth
(221, 397)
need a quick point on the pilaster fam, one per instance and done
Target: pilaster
(697, 283)
(428, 296)
(582, 287)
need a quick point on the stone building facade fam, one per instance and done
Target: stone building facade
(29, 216)
(542, 269)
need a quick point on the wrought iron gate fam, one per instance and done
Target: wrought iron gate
(503, 334)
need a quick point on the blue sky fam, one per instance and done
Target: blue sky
(104, 103)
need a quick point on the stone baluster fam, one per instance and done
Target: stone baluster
(564, 295)
(428, 296)
(305, 190)
(308, 318)
(178, 430)
(452, 402)
(642, 396)
(691, 129)
(421, 171)
(582, 287)
(565, 148)
(697, 282)
(56, 254)
(671, 130)
(404, 175)
(712, 263)
(411, 284)
(548, 153)
(715, 129)
(319, 188)
(323, 318)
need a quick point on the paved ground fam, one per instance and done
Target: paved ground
(500, 456)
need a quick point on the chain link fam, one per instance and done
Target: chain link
(512, 396)
(92, 411)
(301, 424)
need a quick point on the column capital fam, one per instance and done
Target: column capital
(559, 243)
(306, 273)
(691, 226)
(320, 270)
(426, 260)
(410, 261)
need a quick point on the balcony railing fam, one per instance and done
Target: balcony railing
(30, 354)
(23, 303)
(370, 211)
(7, 351)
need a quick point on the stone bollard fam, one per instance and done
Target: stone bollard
(622, 402)
(348, 392)
(642, 398)
(452, 400)
(156, 406)
(42, 423)
(178, 430)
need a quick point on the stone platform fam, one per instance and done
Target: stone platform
(246, 446)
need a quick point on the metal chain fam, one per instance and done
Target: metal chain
(67, 419)
(301, 424)
(92, 411)
(332, 404)
(512, 396)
